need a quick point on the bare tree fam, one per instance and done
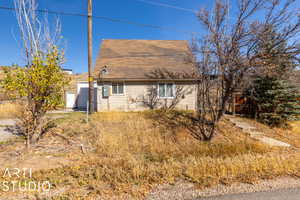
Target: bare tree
(152, 100)
(180, 93)
(222, 62)
(36, 34)
(227, 53)
(276, 49)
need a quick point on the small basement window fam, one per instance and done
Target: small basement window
(166, 90)
(118, 88)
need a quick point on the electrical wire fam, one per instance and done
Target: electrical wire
(164, 28)
(168, 6)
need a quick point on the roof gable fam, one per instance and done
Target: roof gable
(135, 59)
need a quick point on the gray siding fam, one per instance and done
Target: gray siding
(136, 92)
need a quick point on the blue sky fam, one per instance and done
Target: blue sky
(74, 28)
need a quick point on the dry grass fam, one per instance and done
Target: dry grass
(131, 155)
(295, 127)
(128, 154)
(8, 110)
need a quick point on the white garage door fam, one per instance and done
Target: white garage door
(82, 96)
(70, 98)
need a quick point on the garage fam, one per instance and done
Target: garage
(70, 100)
(82, 95)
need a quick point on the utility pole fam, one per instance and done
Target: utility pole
(91, 77)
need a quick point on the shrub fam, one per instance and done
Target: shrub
(274, 101)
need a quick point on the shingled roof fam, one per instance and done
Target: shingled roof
(135, 59)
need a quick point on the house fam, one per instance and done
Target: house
(134, 75)
(76, 93)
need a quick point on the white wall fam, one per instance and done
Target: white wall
(70, 100)
(82, 95)
(133, 94)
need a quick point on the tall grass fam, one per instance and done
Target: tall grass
(295, 126)
(132, 154)
(8, 110)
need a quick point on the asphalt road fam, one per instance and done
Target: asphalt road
(288, 194)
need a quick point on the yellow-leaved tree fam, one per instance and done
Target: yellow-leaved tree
(39, 84)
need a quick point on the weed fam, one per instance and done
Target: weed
(132, 155)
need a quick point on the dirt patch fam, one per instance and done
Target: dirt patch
(50, 152)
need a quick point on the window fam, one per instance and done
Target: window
(117, 88)
(105, 91)
(166, 90)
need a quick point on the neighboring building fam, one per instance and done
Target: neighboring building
(74, 95)
(127, 71)
(68, 71)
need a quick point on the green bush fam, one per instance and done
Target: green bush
(273, 101)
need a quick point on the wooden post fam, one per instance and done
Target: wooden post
(90, 70)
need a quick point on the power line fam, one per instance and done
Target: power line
(48, 11)
(174, 7)
(164, 28)
(168, 6)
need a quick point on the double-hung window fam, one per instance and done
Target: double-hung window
(166, 90)
(117, 88)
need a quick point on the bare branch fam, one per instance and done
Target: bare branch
(35, 34)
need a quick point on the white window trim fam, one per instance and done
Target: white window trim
(165, 83)
(123, 94)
